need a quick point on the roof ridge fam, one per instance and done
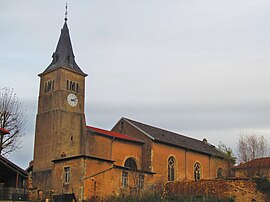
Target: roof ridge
(130, 122)
(173, 138)
(166, 130)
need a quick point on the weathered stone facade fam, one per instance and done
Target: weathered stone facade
(60, 128)
(156, 154)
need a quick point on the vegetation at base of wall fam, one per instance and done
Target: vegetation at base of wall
(135, 198)
(183, 198)
(262, 184)
(157, 197)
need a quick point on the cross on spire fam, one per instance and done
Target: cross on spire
(66, 13)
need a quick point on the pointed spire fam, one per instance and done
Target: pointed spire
(63, 55)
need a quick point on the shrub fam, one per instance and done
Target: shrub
(189, 198)
(148, 197)
(262, 184)
(157, 197)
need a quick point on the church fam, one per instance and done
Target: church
(71, 157)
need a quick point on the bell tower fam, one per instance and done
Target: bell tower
(60, 122)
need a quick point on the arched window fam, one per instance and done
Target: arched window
(197, 171)
(171, 163)
(131, 164)
(219, 173)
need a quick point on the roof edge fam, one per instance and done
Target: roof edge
(65, 68)
(187, 149)
(82, 156)
(141, 171)
(13, 166)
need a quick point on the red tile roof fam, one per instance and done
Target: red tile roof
(3, 131)
(114, 134)
(256, 163)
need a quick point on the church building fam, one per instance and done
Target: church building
(71, 157)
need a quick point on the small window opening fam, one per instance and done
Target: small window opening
(67, 84)
(219, 173)
(124, 179)
(66, 175)
(171, 163)
(197, 171)
(131, 164)
(141, 182)
(77, 87)
(49, 86)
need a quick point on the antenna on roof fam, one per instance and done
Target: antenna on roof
(66, 12)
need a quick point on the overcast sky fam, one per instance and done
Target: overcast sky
(200, 68)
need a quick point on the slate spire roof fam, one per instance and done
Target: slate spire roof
(63, 55)
(174, 139)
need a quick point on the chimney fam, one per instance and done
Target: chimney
(204, 140)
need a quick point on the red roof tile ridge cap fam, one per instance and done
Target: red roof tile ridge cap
(115, 134)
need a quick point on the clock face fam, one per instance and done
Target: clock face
(72, 100)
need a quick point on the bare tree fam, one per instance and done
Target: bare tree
(252, 146)
(242, 149)
(12, 118)
(263, 146)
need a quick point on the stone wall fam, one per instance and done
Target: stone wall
(238, 189)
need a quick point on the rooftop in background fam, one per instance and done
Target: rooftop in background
(9, 169)
(256, 163)
(114, 134)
